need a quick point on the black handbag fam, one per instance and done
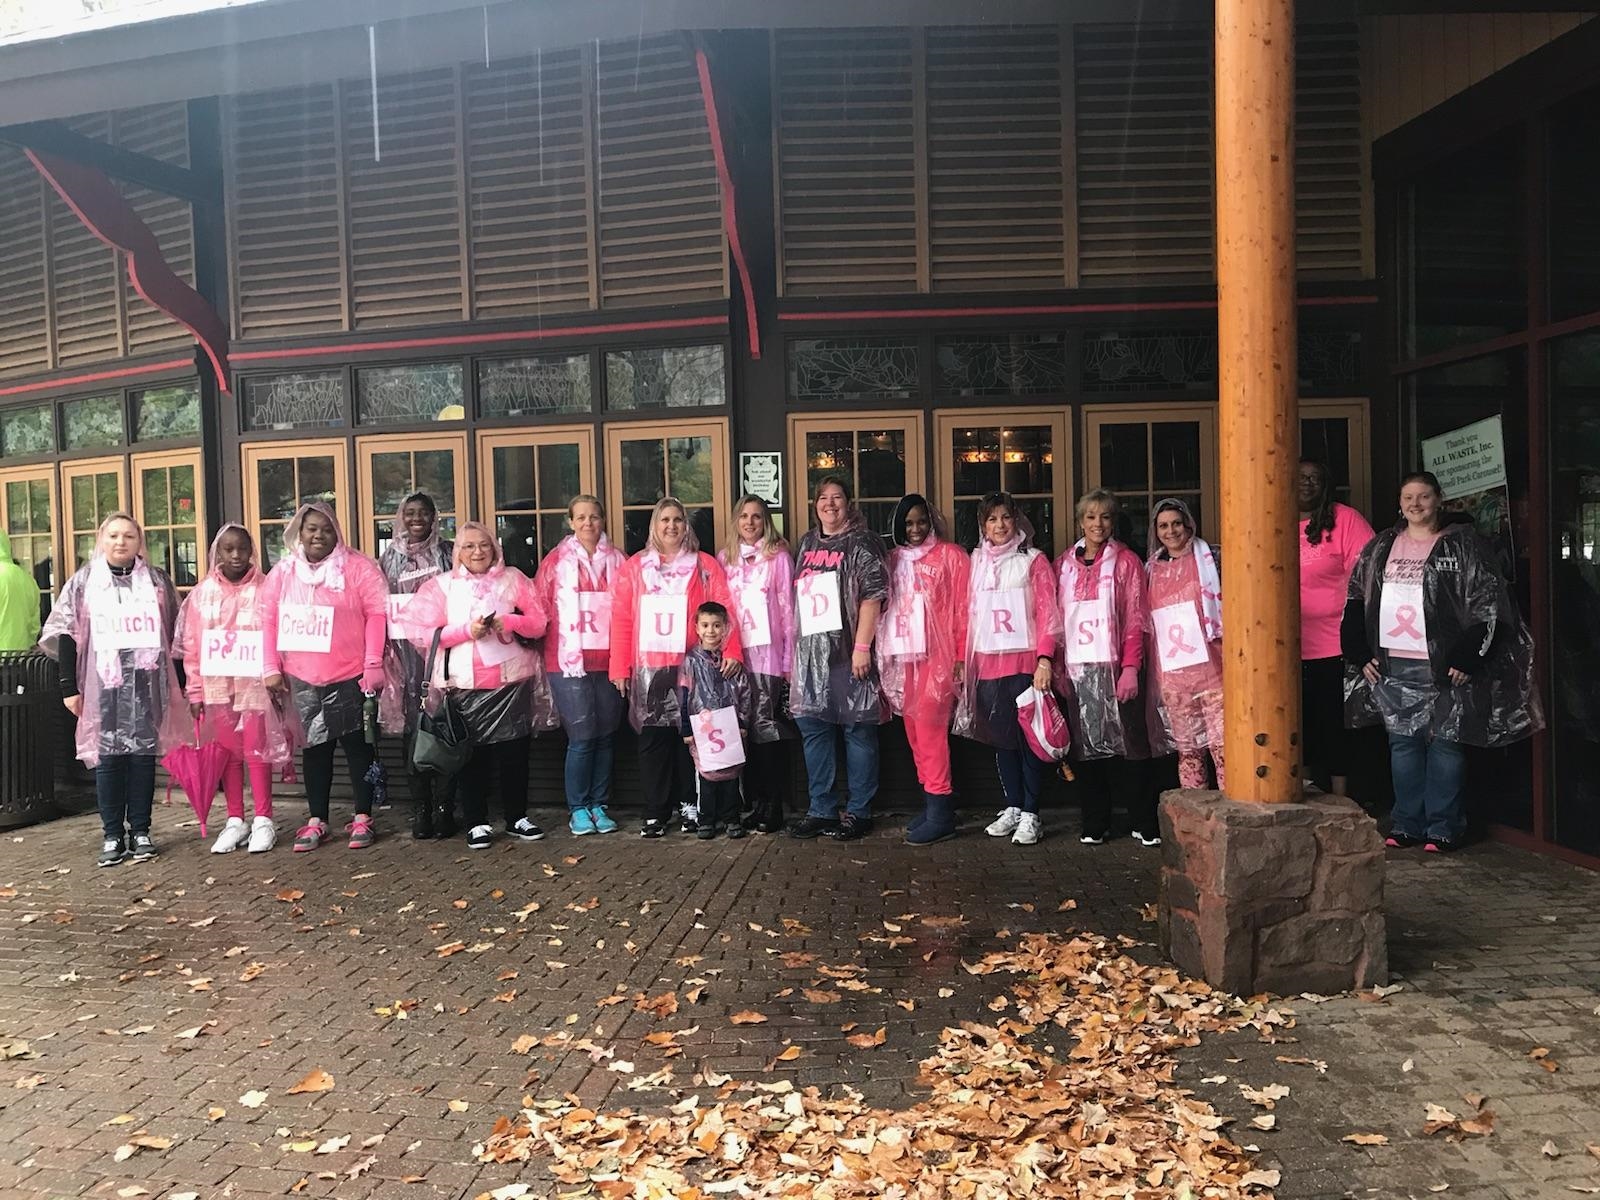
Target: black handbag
(441, 744)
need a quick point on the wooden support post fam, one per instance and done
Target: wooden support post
(1259, 418)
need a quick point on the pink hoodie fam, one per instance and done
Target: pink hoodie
(706, 581)
(346, 591)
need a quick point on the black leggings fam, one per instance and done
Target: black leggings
(768, 773)
(1107, 781)
(666, 772)
(508, 759)
(317, 764)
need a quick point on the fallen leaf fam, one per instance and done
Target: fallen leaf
(252, 971)
(360, 1167)
(789, 1055)
(1265, 1121)
(317, 1081)
(1549, 1149)
(290, 895)
(748, 1017)
(1260, 1179)
(524, 1044)
(253, 1099)
(215, 1114)
(458, 1106)
(449, 948)
(1541, 1055)
(334, 1144)
(868, 1040)
(122, 1119)
(1366, 1139)
(1066, 906)
(817, 996)
(189, 1035)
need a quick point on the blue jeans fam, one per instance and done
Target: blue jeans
(819, 740)
(588, 772)
(125, 789)
(1427, 786)
(1021, 774)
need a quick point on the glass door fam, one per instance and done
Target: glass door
(93, 490)
(1026, 452)
(880, 453)
(1145, 453)
(172, 511)
(1335, 432)
(281, 476)
(651, 459)
(27, 514)
(526, 480)
(394, 467)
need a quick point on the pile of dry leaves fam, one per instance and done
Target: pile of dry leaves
(1009, 1113)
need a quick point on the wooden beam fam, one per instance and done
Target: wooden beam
(52, 137)
(1258, 413)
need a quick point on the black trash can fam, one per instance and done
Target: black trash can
(30, 695)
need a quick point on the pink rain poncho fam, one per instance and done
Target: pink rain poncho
(325, 625)
(922, 633)
(122, 624)
(763, 609)
(1183, 647)
(574, 587)
(1103, 623)
(219, 638)
(834, 576)
(652, 626)
(407, 566)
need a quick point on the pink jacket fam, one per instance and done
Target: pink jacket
(1324, 578)
(451, 602)
(597, 574)
(1175, 581)
(771, 579)
(1046, 619)
(924, 688)
(360, 618)
(1127, 582)
(708, 582)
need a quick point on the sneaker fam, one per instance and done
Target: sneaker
(1005, 824)
(653, 829)
(479, 837)
(582, 822)
(602, 823)
(525, 830)
(1027, 833)
(691, 818)
(112, 852)
(233, 836)
(736, 831)
(852, 827)
(310, 835)
(1147, 839)
(810, 827)
(1092, 839)
(362, 834)
(141, 848)
(1401, 841)
(1440, 845)
(263, 835)
(706, 832)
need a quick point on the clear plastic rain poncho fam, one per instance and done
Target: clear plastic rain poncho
(575, 587)
(833, 577)
(122, 625)
(1470, 623)
(407, 565)
(1183, 642)
(922, 633)
(1103, 627)
(219, 639)
(762, 587)
(703, 686)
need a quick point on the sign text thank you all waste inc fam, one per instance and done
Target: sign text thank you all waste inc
(1468, 460)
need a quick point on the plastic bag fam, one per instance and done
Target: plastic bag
(1043, 727)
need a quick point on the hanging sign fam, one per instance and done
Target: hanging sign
(761, 474)
(1468, 460)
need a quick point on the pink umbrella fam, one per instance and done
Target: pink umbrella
(197, 770)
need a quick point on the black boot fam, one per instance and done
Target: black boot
(422, 820)
(769, 815)
(444, 817)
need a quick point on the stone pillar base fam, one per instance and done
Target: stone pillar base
(1282, 898)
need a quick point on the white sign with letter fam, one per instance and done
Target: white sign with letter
(717, 744)
(234, 653)
(1088, 636)
(125, 626)
(903, 632)
(817, 600)
(1002, 617)
(307, 628)
(662, 624)
(1179, 642)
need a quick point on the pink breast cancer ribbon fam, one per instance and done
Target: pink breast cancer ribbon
(1405, 617)
(1176, 642)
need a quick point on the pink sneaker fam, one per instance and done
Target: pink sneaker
(362, 834)
(309, 836)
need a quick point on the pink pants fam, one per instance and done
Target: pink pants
(1200, 718)
(930, 750)
(242, 743)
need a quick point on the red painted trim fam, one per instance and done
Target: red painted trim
(1523, 840)
(482, 339)
(730, 216)
(96, 377)
(1044, 310)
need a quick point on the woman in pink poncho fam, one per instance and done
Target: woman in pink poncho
(1184, 645)
(111, 634)
(760, 579)
(324, 614)
(921, 644)
(479, 611)
(220, 641)
(574, 584)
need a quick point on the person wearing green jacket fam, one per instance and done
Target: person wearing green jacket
(19, 602)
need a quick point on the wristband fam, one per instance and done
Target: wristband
(863, 647)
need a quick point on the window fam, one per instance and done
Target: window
(281, 476)
(172, 511)
(163, 413)
(93, 423)
(409, 395)
(537, 386)
(1018, 364)
(854, 368)
(527, 480)
(27, 513)
(28, 430)
(1150, 360)
(302, 400)
(879, 453)
(394, 467)
(1145, 453)
(686, 459)
(1335, 432)
(668, 377)
(1025, 452)
(93, 491)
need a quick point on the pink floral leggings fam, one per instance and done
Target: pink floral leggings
(1197, 722)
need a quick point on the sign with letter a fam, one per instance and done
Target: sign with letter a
(755, 624)
(817, 602)
(663, 622)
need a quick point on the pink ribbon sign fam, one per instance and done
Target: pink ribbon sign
(1402, 622)
(1180, 642)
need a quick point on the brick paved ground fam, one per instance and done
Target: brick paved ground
(1497, 950)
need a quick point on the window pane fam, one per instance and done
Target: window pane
(854, 368)
(879, 515)
(666, 377)
(107, 495)
(39, 503)
(518, 541)
(689, 469)
(82, 500)
(436, 475)
(644, 471)
(27, 430)
(186, 556)
(170, 412)
(1327, 439)
(409, 395)
(304, 400)
(635, 530)
(964, 522)
(513, 477)
(534, 386)
(1022, 364)
(1180, 360)
(17, 507)
(883, 463)
(275, 490)
(977, 461)
(829, 452)
(1574, 217)
(181, 481)
(391, 482)
(316, 481)
(1330, 362)
(552, 528)
(1027, 460)
(1175, 455)
(1134, 522)
(704, 523)
(83, 547)
(560, 476)
(1041, 515)
(157, 506)
(159, 547)
(1124, 456)
(92, 423)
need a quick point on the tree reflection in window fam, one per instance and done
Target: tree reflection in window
(666, 377)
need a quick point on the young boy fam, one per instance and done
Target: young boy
(712, 709)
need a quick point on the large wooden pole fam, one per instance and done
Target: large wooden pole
(1259, 420)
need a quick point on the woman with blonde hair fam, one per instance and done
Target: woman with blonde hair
(760, 577)
(654, 599)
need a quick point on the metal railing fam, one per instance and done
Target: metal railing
(30, 700)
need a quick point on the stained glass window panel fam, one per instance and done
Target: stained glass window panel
(93, 423)
(409, 395)
(1155, 361)
(535, 386)
(854, 368)
(1001, 365)
(301, 400)
(666, 377)
(28, 430)
(169, 412)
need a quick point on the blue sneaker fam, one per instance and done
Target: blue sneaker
(602, 823)
(582, 822)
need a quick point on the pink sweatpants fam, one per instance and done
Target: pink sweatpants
(930, 750)
(1199, 718)
(240, 743)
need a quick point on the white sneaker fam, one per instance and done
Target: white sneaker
(1027, 830)
(263, 835)
(232, 836)
(1147, 839)
(1006, 823)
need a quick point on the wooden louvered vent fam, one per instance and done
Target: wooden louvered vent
(404, 208)
(24, 317)
(995, 158)
(660, 211)
(285, 221)
(530, 218)
(1327, 165)
(85, 276)
(159, 131)
(847, 161)
(1144, 138)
